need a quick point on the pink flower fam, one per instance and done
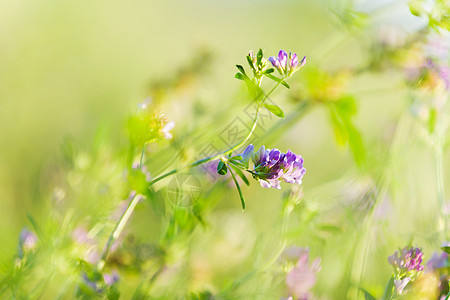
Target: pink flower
(302, 277)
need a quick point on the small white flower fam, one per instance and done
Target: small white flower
(168, 127)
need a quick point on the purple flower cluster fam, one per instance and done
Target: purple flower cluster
(287, 64)
(272, 166)
(407, 260)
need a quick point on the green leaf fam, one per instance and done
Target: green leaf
(268, 71)
(345, 131)
(388, 292)
(240, 174)
(254, 90)
(222, 168)
(259, 57)
(239, 190)
(241, 69)
(237, 163)
(356, 144)
(240, 76)
(367, 295)
(277, 80)
(416, 8)
(250, 62)
(276, 110)
(35, 224)
(446, 248)
(347, 105)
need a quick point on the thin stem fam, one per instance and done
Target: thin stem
(118, 229)
(142, 157)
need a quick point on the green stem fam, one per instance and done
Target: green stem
(142, 157)
(131, 206)
(118, 230)
(440, 184)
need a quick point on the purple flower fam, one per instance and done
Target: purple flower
(272, 166)
(27, 241)
(302, 277)
(287, 64)
(407, 265)
(89, 245)
(407, 260)
(444, 74)
(110, 279)
(437, 261)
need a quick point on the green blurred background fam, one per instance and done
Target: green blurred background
(68, 68)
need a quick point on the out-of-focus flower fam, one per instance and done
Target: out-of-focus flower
(144, 105)
(302, 277)
(287, 64)
(400, 284)
(147, 127)
(407, 266)
(272, 166)
(437, 267)
(27, 241)
(92, 284)
(111, 278)
(165, 130)
(407, 259)
(437, 261)
(89, 245)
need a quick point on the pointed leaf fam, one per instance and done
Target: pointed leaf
(367, 295)
(268, 71)
(388, 292)
(239, 76)
(250, 62)
(240, 174)
(241, 69)
(239, 190)
(277, 80)
(222, 168)
(237, 163)
(259, 57)
(276, 110)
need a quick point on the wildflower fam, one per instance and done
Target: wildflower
(287, 64)
(91, 283)
(437, 261)
(272, 166)
(111, 278)
(407, 265)
(409, 260)
(302, 277)
(401, 284)
(27, 241)
(144, 105)
(88, 245)
(165, 130)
